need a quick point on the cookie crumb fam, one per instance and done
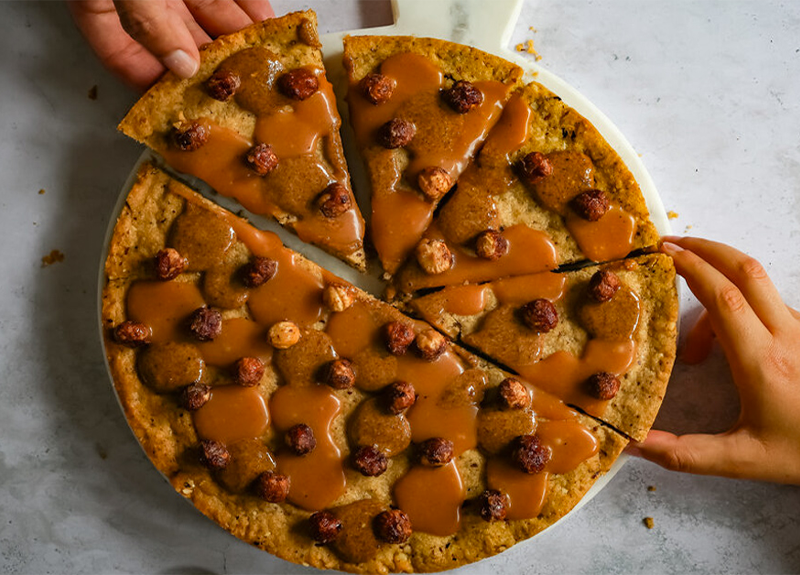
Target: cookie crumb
(672, 215)
(651, 487)
(53, 257)
(532, 29)
(41, 192)
(92, 92)
(648, 522)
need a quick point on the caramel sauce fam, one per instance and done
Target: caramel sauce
(399, 218)
(510, 133)
(432, 498)
(357, 542)
(164, 307)
(465, 300)
(372, 424)
(240, 337)
(503, 337)
(614, 320)
(352, 330)
(573, 173)
(258, 69)
(610, 237)
(570, 442)
(497, 429)
(234, 413)
(526, 493)
(522, 289)
(201, 238)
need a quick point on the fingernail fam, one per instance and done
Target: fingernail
(670, 249)
(633, 449)
(672, 239)
(181, 63)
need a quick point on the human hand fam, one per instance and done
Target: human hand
(760, 337)
(138, 40)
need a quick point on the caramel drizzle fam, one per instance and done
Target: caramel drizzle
(163, 307)
(240, 337)
(234, 413)
(432, 498)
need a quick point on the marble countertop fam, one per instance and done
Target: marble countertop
(707, 92)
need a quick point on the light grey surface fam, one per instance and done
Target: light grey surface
(707, 92)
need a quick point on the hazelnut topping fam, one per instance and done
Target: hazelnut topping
(591, 205)
(339, 374)
(339, 297)
(431, 344)
(534, 167)
(433, 256)
(540, 315)
(189, 136)
(223, 84)
(436, 451)
(399, 396)
(399, 336)
(283, 335)
(392, 526)
(396, 133)
(214, 454)
(132, 334)
(603, 385)
(324, 527)
(434, 182)
(258, 271)
(195, 396)
(272, 487)
(604, 285)
(493, 505)
(300, 439)
(248, 371)
(513, 394)
(463, 96)
(369, 461)
(377, 88)
(298, 84)
(529, 454)
(205, 323)
(169, 264)
(334, 200)
(261, 159)
(491, 245)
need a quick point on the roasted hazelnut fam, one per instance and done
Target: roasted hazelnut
(283, 335)
(205, 323)
(258, 271)
(529, 454)
(493, 505)
(189, 136)
(436, 451)
(399, 336)
(591, 205)
(132, 334)
(334, 200)
(491, 245)
(399, 396)
(300, 439)
(248, 371)
(377, 88)
(392, 526)
(369, 461)
(534, 167)
(396, 133)
(604, 285)
(261, 159)
(214, 454)
(298, 84)
(169, 264)
(433, 256)
(540, 315)
(603, 385)
(325, 528)
(339, 297)
(434, 182)
(339, 374)
(431, 344)
(223, 84)
(513, 394)
(195, 396)
(463, 96)
(272, 487)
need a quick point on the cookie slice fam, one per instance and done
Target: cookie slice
(259, 123)
(601, 338)
(294, 409)
(420, 108)
(545, 190)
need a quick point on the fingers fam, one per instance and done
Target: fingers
(257, 9)
(218, 17)
(699, 341)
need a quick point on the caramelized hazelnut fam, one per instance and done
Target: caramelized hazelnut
(514, 394)
(591, 205)
(377, 88)
(261, 159)
(396, 133)
(272, 487)
(189, 136)
(431, 344)
(369, 461)
(463, 96)
(169, 264)
(603, 385)
(283, 335)
(433, 256)
(493, 505)
(540, 315)
(195, 396)
(339, 374)
(339, 297)
(132, 334)
(248, 371)
(436, 451)
(223, 84)
(491, 245)
(399, 336)
(392, 526)
(434, 182)
(258, 271)
(298, 84)
(529, 454)
(399, 396)
(604, 285)
(325, 528)
(334, 200)
(300, 439)
(214, 454)
(205, 323)
(534, 167)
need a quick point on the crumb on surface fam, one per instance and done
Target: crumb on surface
(528, 48)
(92, 92)
(672, 215)
(648, 522)
(41, 191)
(532, 29)
(53, 257)
(651, 487)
